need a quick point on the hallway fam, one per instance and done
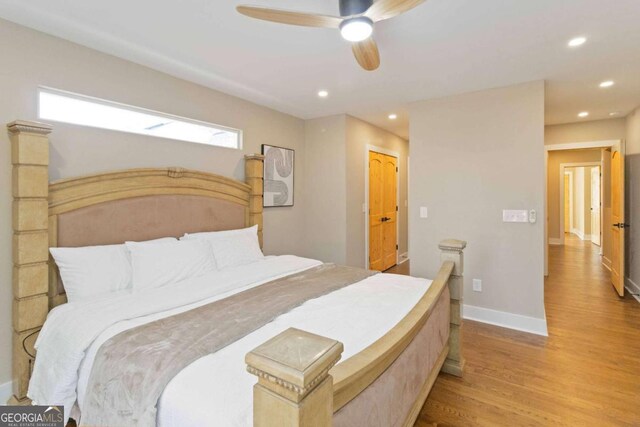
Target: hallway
(586, 373)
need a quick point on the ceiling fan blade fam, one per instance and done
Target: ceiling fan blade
(366, 53)
(291, 18)
(385, 9)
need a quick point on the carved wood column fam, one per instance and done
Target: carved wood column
(452, 250)
(254, 176)
(294, 387)
(30, 159)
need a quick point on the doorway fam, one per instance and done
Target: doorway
(587, 203)
(382, 218)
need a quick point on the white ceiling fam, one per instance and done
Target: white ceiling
(442, 47)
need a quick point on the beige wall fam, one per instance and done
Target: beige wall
(31, 59)
(335, 170)
(359, 135)
(597, 130)
(633, 198)
(556, 158)
(326, 210)
(472, 156)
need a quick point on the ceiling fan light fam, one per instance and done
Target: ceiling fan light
(356, 29)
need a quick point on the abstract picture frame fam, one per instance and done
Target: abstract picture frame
(279, 171)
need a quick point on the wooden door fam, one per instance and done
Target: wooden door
(383, 214)
(617, 219)
(567, 204)
(595, 205)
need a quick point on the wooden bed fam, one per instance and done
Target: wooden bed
(299, 380)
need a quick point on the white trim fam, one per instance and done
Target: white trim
(555, 241)
(580, 234)
(632, 288)
(402, 258)
(6, 392)
(503, 319)
(581, 145)
(391, 153)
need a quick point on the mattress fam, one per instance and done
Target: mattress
(216, 389)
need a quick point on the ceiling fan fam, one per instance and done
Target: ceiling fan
(355, 22)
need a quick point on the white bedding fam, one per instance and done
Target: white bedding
(216, 389)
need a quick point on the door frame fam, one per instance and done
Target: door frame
(567, 146)
(563, 166)
(386, 151)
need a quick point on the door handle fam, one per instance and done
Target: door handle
(385, 219)
(621, 225)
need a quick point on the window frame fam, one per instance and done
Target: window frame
(120, 105)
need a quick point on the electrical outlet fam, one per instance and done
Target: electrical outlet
(477, 285)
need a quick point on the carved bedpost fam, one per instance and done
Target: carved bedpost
(30, 159)
(254, 171)
(294, 387)
(452, 250)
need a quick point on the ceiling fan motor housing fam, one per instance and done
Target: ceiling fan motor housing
(354, 7)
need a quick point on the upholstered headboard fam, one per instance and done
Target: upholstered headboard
(106, 208)
(141, 204)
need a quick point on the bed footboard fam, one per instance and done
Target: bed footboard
(299, 384)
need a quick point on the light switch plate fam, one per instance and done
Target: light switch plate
(510, 215)
(477, 285)
(424, 212)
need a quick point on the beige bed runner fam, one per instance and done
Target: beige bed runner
(132, 369)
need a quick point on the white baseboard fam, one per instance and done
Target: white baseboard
(556, 241)
(403, 258)
(580, 234)
(6, 391)
(632, 287)
(518, 322)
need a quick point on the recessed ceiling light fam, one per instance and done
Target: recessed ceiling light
(615, 113)
(393, 116)
(578, 41)
(323, 93)
(607, 83)
(584, 114)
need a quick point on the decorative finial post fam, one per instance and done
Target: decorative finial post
(452, 250)
(30, 160)
(254, 176)
(294, 387)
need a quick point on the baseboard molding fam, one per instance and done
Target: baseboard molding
(606, 262)
(402, 258)
(556, 241)
(6, 391)
(518, 322)
(632, 287)
(580, 234)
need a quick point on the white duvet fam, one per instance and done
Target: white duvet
(215, 390)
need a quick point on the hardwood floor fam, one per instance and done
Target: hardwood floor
(586, 373)
(400, 269)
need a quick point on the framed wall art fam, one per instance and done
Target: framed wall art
(278, 176)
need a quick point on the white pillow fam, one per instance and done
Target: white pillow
(165, 263)
(90, 271)
(232, 247)
(235, 250)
